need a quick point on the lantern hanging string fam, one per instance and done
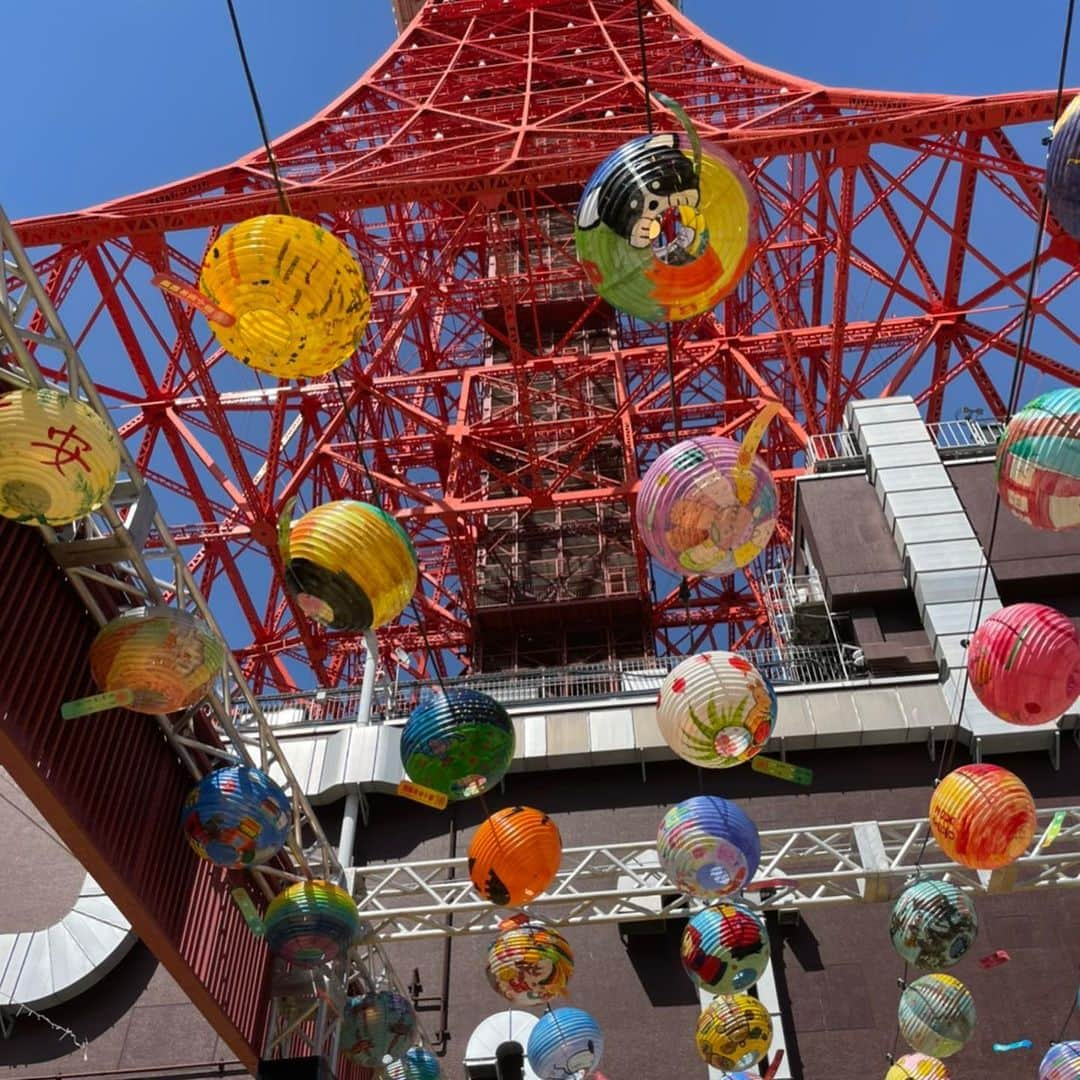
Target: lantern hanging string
(1070, 1014)
(283, 199)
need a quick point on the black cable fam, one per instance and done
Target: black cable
(644, 65)
(356, 439)
(282, 197)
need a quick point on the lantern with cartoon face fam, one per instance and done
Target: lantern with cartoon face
(1061, 1062)
(917, 1067)
(514, 855)
(725, 948)
(377, 1025)
(933, 924)
(529, 963)
(708, 846)
(564, 1043)
(734, 1032)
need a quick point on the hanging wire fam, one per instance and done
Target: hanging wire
(283, 199)
(1069, 1016)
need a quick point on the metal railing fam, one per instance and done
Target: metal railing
(832, 450)
(795, 665)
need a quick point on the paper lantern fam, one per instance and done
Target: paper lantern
(1024, 664)
(417, 1064)
(563, 1043)
(295, 291)
(734, 1032)
(1063, 170)
(1038, 460)
(660, 238)
(167, 657)
(917, 1067)
(1062, 1062)
(716, 710)
(725, 948)
(514, 856)
(982, 816)
(708, 846)
(350, 565)
(460, 743)
(311, 923)
(237, 817)
(707, 506)
(529, 963)
(377, 1025)
(937, 1015)
(933, 924)
(58, 458)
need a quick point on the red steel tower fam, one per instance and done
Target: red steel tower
(502, 409)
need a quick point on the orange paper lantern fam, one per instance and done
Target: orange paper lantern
(514, 856)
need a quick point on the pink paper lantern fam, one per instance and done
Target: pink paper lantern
(1024, 664)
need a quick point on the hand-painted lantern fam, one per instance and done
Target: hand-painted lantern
(933, 924)
(564, 1043)
(1038, 459)
(937, 1015)
(708, 846)
(666, 226)
(514, 856)
(1024, 664)
(417, 1064)
(460, 743)
(734, 1032)
(982, 816)
(707, 505)
(1061, 1062)
(237, 817)
(296, 295)
(350, 565)
(58, 458)
(725, 948)
(529, 963)
(716, 710)
(917, 1067)
(1063, 170)
(377, 1025)
(311, 923)
(167, 657)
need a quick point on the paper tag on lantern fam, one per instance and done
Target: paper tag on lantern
(688, 126)
(744, 477)
(187, 292)
(514, 920)
(1052, 830)
(418, 793)
(1020, 1044)
(797, 774)
(994, 959)
(96, 703)
(284, 528)
(247, 908)
(774, 1068)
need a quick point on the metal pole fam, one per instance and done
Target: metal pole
(347, 837)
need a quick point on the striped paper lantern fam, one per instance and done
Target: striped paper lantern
(716, 710)
(734, 1032)
(166, 656)
(460, 743)
(514, 855)
(58, 458)
(529, 963)
(377, 1025)
(295, 291)
(1062, 1062)
(917, 1067)
(937, 1015)
(1063, 170)
(1024, 664)
(708, 846)
(982, 816)
(725, 948)
(237, 817)
(1038, 460)
(933, 924)
(563, 1043)
(350, 565)
(417, 1064)
(698, 513)
(311, 923)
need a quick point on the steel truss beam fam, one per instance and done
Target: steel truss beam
(865, 861)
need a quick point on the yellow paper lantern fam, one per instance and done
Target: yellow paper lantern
(734, 1032)
(58, 458)
(166, 656)
(295, 291)
(917, 1067)
(350, 565)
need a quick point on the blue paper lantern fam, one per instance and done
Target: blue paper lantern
(375, 1026)
(564, 1042)
(1063, 170)
(708, 846)
(417, 1064)
(1062, 1062)
(725, 948)
(460, 743)
(933, 924)
(237, 817)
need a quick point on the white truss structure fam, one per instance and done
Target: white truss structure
(864, 861)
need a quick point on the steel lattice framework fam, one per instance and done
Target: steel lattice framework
(493, 387)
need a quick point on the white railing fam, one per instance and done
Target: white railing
(962, 438)
(831, 450)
